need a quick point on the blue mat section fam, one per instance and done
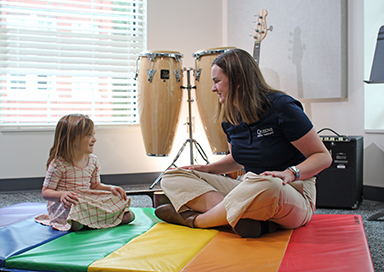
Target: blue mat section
(21, 236)
(19, 212)
(75, 251)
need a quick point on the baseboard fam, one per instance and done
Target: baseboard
(373, 193)
(28, 184)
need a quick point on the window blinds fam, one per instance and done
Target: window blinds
(62, 56)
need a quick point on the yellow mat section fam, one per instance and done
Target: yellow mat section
(228, 252)
(165, 247)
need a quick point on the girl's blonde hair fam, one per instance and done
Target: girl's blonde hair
(69, 128)
(247, 98)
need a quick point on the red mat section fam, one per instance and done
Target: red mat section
(329, 243)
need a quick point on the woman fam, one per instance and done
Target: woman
(270, 137)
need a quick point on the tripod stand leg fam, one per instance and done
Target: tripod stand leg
(190, 140)
(201, 151)
(172, 164)
(375, 216)
(158, 179)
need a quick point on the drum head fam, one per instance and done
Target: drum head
(161, 53)
(217, 50)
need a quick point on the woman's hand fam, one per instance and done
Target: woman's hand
(201, 168)
(287, 176)
(223, 166)
(317, 158)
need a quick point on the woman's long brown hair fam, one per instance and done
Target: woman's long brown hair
(69, 129)
(248, 92)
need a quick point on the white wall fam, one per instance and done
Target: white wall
(189, 26)
(173, 25)
(374, 98)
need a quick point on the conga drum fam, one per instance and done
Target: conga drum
(207, 101)
(159, 99)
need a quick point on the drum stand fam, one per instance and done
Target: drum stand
(192, 142)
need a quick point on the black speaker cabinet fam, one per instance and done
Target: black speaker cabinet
(341, 185)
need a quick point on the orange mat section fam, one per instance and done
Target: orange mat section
(228, 252)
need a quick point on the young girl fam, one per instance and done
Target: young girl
(72, 186)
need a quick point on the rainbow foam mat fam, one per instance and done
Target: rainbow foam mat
(327, 243)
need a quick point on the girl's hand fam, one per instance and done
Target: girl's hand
(116, 190)
(68, 198)
(287, 176)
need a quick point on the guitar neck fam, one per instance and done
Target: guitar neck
(256, 51)
(259, 33)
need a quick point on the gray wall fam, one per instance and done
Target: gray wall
(306, 52)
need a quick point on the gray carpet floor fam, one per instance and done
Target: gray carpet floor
(373, 229)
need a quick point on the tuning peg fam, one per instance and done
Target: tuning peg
(270, 28)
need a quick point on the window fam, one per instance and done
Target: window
(69, 56)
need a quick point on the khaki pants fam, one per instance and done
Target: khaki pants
(252, 196)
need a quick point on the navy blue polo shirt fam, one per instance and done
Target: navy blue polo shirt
(266, 144)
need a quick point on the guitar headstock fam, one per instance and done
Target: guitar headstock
(260, 30)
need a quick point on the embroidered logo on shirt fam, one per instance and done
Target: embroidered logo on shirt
(265, 132)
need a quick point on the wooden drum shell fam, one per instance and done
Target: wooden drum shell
(159, 102)
(207, 101)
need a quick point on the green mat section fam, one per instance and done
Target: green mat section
(77, 250)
